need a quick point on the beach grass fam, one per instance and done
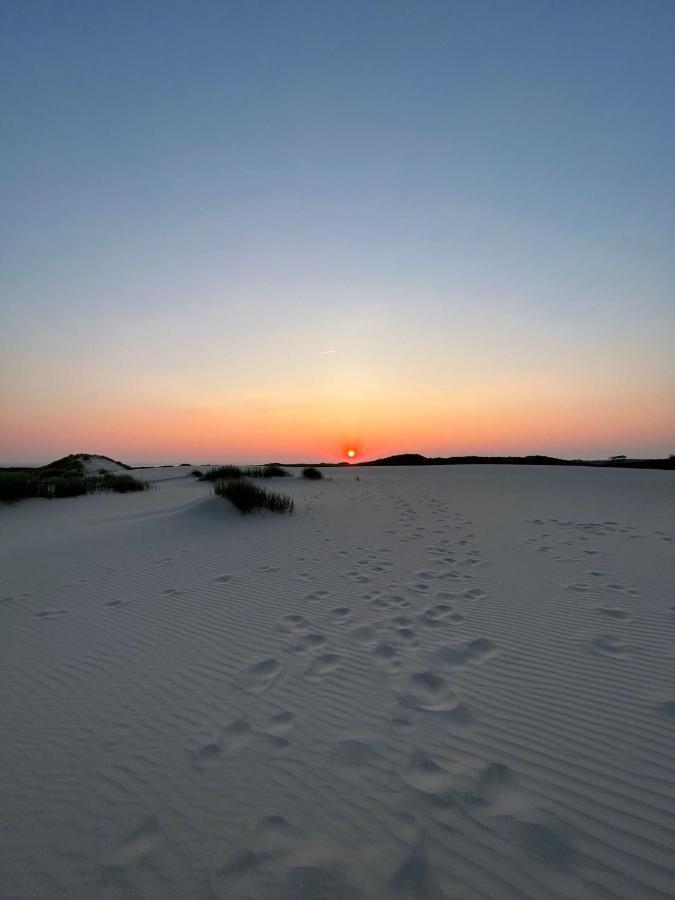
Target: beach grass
(15, 486)
(222, 473)
(248, 497)
(270, 470)
(312, 473)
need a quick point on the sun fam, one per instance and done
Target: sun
(351, 453)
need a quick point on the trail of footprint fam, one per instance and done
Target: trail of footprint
(233, 737)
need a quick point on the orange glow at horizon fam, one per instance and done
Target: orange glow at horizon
(495, 418)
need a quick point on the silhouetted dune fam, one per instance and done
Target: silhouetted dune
(416, 459)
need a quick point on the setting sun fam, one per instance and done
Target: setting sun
(351, 453)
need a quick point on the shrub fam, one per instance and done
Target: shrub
(271, 470)
(22, 485)
(120, 484)
(249, 497)
(66, 486)
(18, 486)
(197, 473)
(311, 473)
(223, 472)
(274, 470)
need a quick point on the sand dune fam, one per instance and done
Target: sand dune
(434, 683)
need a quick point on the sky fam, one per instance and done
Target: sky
(281, 230)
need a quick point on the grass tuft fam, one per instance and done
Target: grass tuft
(311, 473)
(248, 497)
(271, 470)
(223, 472)
(120, 484)
(15, 486)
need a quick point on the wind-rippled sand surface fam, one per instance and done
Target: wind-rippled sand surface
(432, 682)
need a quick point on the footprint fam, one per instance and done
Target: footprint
(236, 735)
(355, 754)
(474, 594)
(280, 724)
(293, 623)
(364, 634)
(476, 652)
(208, 754)
(51, 614)
(415, 878)
(322, 665)
(136, 845)
(425, 775)
(340, 613)
(233, 737)
(430, 692)
(544, 844)
(614, 612)
(239, 878)
(497, 792)
(667, 710)
(259, 676)
(402, 622)
(223, 579)
(310, 642)
(387, 656)
(610, 646)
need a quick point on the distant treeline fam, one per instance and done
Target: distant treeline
(416, 459)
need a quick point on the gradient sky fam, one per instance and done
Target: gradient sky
(275, 230)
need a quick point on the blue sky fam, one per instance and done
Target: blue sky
(463, 200)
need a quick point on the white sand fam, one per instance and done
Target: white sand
(96, 465)
(437, 682)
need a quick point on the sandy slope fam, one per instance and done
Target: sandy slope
(96, 465)
(427, 683)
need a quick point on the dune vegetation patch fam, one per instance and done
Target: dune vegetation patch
(312, 473)
(249, 498)
(270, 470)
(15, 486)
(220, 473)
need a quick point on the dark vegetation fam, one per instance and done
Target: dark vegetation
(221, 472)
(197, 473)
(271, 470)
(20, 485)
(248, 497)
(312, 473)
(416, 459)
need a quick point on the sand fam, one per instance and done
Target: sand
(435, 682)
